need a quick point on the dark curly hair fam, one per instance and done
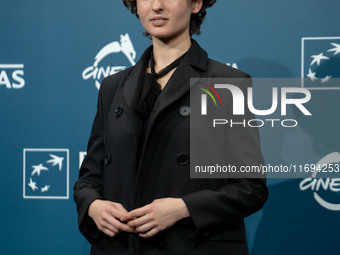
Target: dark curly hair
(196, 18)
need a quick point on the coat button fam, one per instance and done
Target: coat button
(183, 159)
(185, 111)
(107, 159)
(118, 111)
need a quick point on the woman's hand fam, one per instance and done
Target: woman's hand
(107, 215)
(157, 216)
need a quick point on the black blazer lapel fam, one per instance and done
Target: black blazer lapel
(136, 76)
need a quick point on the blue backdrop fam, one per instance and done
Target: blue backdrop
(52, 58)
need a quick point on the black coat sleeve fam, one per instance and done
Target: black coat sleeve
(239, 197)
(89, 185)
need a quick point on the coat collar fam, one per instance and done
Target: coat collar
(195, 61)
(196, 57)
(135, 76)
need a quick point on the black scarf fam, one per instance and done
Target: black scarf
(150, 89)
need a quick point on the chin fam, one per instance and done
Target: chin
(165, 36)
(159, 34)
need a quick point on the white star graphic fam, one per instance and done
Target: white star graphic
(32, 184)
(317, 58)
(311, 75)
(37, 169)
(326, 79)
(56, 161)
(336, 49)
(46, 188)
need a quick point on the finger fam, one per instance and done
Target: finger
(107, 229)
(135, 213)
(107, 225)
(146, 227)
(112, 220)
(125, 227)
(119, 225)
(151, 233)
(116, 213)
(108, 232)
(139, 221)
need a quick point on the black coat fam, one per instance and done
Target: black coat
(110, 170)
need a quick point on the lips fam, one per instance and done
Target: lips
(159, 21)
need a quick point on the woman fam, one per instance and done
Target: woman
(134, 193)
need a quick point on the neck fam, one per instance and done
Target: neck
(166, 51)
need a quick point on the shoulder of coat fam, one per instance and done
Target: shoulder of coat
(115, 80)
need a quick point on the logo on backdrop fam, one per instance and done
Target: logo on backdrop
(98, 70)
(82, 155)
(234, 65)
(12, 76)
(325, 187)
(320, 60)
(46, 174)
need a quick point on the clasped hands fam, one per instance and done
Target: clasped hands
(112, 218)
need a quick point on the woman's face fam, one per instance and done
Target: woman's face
(167, 18)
